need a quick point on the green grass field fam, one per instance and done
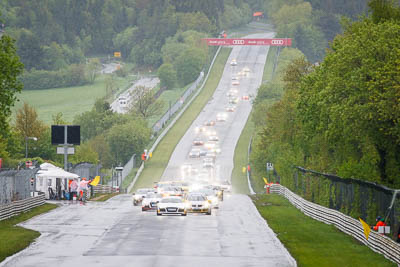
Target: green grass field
(156, 165)
(14, 238)
(239, 179)
(71, 101)
(313, 243)
(103, 197)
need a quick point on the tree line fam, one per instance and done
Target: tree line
(340, 116)
(53, 35)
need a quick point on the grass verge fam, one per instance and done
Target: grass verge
(71, 101)
(154, 168)
(239, 179)
(313, 243)
(103, 197)
(269, 64)
(15, 238)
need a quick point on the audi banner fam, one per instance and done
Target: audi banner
(227, 41)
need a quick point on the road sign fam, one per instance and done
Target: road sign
(244, 41)
(270, 166)
(117, 54)
(70, 150)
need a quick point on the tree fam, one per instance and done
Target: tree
(85, 153)
(189, 65)
(144, 102)
(58, 119)
(27, 122)
(352, 100)
(167, 76)
(10, 69)
(127, 139)
(92, 69)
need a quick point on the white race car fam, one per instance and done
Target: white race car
(171, 206)
(140, 193)
(150, 201)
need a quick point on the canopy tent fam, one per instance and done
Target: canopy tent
(48, 170)
(50, 178)
(257, 14)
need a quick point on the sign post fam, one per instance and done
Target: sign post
(245, 41)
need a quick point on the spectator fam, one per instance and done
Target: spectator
(83, 187)
(73, 188)
(379, 222)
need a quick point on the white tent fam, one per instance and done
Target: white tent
(50, 176)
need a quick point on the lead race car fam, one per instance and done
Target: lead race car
(171, 206)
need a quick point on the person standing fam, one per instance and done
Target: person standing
(83, 185)
(74, 188)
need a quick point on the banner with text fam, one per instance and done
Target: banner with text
(232, 41)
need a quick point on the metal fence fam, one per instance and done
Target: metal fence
(178, 104)
(15, 185)
(377, 242)
(86, 170)
(356, 198)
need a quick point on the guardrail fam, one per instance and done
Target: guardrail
(104, 189)
(20, 206)
(377, 242)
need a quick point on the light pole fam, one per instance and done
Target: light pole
(26, 144)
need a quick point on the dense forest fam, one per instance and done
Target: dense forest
(55, 38)
(340, 116)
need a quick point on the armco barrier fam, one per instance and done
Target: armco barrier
(104, 189)
(20, 206)
(377, 242)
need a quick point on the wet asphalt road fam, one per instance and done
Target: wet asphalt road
(116, 233)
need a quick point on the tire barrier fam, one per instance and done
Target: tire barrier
(20, 206)
(377, 242)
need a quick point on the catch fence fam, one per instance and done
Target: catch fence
(160, 124)
(15, 184)
(356, 198)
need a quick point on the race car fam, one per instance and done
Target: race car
(140, 194)
(222, 116)
(230, 108)
(150, 201)
(171, 206)
(213, 138)
(198, 203)
(232, 92)
(171, 191)
(233, 62)
(194, 153)
(211, 195)
(198, 142)
(235, 82)
(209, 123)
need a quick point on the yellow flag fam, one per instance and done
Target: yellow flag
(95, 181)
(265, 180)
(244, 169)
(367, 228)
